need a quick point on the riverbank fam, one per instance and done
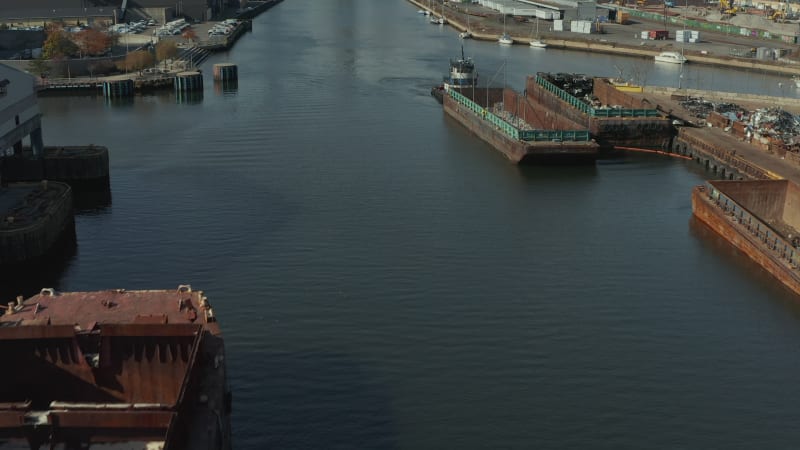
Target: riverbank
(616, 41)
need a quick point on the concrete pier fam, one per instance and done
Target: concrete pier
(79, 166)
(226, 72)
(189, 81)
(33, 217)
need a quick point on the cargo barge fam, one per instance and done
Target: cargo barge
(760, 218)
(484, 112)
(512, 135)
(114, 369)
(613, 116)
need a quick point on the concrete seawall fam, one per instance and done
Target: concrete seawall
(725, 96)
(77, 165)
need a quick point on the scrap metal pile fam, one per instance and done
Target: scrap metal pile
(515, 121)
(701, 108)
(575, 84)
(777, 124)
(774, 125)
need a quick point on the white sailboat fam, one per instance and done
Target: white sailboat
(505, 39)
(439, 20)
(466, 34)
(536, 42)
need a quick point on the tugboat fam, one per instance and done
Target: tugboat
(462, 75)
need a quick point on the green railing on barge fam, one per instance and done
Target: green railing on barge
(516, 133)
(594, 112)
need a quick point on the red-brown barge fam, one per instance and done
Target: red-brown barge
(113, 369)
(760, 218)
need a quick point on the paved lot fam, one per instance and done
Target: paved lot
(712, 43)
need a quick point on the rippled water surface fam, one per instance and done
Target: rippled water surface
(385, 280)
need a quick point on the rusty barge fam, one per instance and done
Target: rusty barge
(561, 118)
(483, 112)
(760, 218)
(114, 369)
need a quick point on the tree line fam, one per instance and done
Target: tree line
(60, 46)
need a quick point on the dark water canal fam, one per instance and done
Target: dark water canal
(385, 280)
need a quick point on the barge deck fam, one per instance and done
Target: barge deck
(519, 142)
(114, 369)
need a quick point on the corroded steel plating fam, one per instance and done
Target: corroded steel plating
(136, 367)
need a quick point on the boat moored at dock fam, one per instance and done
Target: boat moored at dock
(671, 58)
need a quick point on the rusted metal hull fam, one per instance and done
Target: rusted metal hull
(741, 228)
(521, 152)
(144, 368)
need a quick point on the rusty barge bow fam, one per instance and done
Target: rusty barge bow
(113, 369)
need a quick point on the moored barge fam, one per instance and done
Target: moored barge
(492, 114)
(760, 218)
(114, 369)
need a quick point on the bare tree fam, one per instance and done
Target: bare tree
(138, 61)
(166, 50)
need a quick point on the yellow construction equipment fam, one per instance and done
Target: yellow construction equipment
(726, 7)
(778, 16)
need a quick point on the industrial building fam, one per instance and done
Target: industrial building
(545, 9)
(20, 118)
(37, 12)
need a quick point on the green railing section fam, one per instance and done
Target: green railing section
(595, 112)
(710, 26)
(555, 135)
(562, 94)
(516, 133)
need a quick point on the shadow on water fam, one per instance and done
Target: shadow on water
(45, 272)
(91, 201)
(319, 400)
(747, 268)
(555, 172)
